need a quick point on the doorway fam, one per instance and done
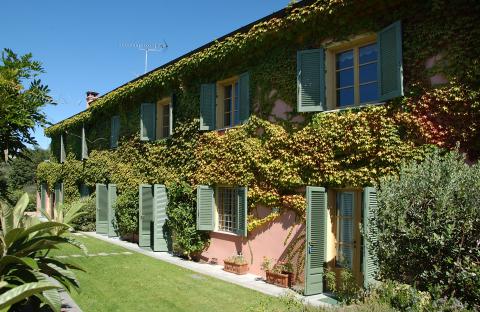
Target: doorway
(346, 212)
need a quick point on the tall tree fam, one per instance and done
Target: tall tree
(22, 97)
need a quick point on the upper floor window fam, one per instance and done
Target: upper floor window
(164, 118)
(114, 131)
(225, 103)
(356, 75)
(365, 69)
(230, 104)
(156, 119)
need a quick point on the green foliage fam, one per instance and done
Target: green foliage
(86, 221)
(345, 288)
(266, 50)
(237, 259)
(18, 176)
(66, 213)
(25, 266)
(429, 224)
(181, 212)
(126, 211)
(290, 303)
(23, 168)
(403, 297)
(20, 106)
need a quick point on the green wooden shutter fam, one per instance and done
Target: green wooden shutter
(114, 131)
(311, 80)
(58, 194)
(43, 196)
(242, 211)
(370, 236)
(390, 67)
(84, 144)
(316, 239)
(174, 100)
(244, 96)
(159, 217)
(112, 199)
(148, 118)
(62, 149)
(208, 105)
(101, 200)
(145, 215)
(84, 191)
(205, 204)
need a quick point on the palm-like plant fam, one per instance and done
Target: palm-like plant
(29, 277)
(66, 214)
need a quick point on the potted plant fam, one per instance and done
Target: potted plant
(287, 268)
(273, 275)
(236, 264)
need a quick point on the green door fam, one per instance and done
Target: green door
(102, 208)
(160, 202)
(145, 226)
(112, 198)
(316, 239)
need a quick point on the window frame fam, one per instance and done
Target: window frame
(331, 50)
(234, 104)
(162, 105)
(338, 219)
(218, 206)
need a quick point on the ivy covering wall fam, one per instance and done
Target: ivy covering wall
(276, 160)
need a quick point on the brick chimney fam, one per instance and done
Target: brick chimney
(91, 96)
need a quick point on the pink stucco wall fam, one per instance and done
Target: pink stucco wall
(270, 240)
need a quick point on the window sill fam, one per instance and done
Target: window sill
(226, 233)
(224, 130)
(352, 107)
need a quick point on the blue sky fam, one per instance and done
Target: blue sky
(80, 42)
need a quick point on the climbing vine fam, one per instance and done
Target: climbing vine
(455, 39)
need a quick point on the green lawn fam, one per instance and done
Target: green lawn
(137, 282)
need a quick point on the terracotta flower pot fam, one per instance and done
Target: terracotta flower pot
(236, 268)
(278, 279)
(291, 278)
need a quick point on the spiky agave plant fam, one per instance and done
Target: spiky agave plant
(29, 277)
(66, 214)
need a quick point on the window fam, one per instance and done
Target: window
(366, 69)
(345, 229)
(164, 118)
(227, 209)
(166, 122)
(356, 80)
(225, 103)
(114, 131)
(228, 109)
(222, 209)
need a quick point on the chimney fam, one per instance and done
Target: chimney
(91, 96)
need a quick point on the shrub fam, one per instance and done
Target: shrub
(428, 224)
(86, 221)
(346, 288)
(402, 297)
(181, 212)
(126, 211)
